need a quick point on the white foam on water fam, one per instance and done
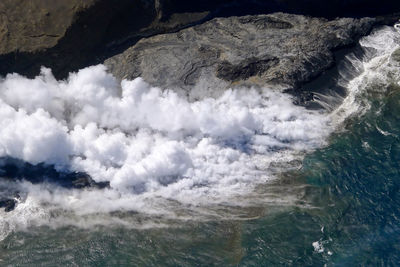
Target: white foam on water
(26, 214)
(377, 69)
(158, 151)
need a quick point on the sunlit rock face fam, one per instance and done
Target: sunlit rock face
(252, 50)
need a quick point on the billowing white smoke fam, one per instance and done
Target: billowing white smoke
(143, 139)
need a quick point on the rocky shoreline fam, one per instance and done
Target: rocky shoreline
(172, 45)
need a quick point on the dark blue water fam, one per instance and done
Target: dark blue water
(359, 174)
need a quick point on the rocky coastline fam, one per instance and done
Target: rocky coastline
(192, 49)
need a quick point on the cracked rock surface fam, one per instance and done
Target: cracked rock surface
(256, 50)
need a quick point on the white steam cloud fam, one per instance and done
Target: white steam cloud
(161, 154)
(143, 139)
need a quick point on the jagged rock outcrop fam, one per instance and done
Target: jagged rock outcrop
(224, 52)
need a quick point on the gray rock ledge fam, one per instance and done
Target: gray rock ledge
(261, 50)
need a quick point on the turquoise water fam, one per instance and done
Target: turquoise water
(346, 211)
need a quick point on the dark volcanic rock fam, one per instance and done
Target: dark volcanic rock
(8, 204)
(66, 35)
(28, 26)
(14, 170)
(9, 200)
(70, 34)
(245, 69)
(224, 52)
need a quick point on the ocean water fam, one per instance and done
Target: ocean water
(247, 179)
